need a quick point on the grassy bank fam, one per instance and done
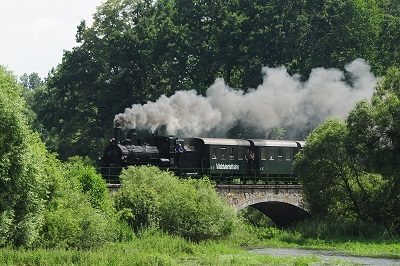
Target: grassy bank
(150, 249)
(156, 248)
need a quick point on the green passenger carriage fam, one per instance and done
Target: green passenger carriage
(274, 158)
(220, 157)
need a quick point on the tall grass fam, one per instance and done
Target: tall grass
(154, 247)
(150, 247)
(343, 231)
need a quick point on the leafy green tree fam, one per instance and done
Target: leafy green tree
(324, 151)
(375, 132)
(24, 165)
(278, 133)
(196, 212)
(43, 203)
(136, 51)
(350, 170)
(335, 183)
(80, 212)
(31, 81)
(388, 43)
(190, 208)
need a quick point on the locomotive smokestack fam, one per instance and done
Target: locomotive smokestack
(117, 134)
(132, 136)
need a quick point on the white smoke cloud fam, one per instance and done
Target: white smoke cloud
(281, 100)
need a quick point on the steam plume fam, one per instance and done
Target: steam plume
(280, 101)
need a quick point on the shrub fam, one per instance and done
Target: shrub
(190, 208)
(254, 217)
(89, 182)
(80, 214)
(72, 222)
(196, 212)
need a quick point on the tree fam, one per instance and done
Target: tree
(24, 165)
(350, 170)
(336, 183)
(388, 43)
(375, 132)
(31, 81)
(135, 51)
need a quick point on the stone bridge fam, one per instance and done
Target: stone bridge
(283, 204)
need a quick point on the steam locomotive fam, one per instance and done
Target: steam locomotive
(220, 159)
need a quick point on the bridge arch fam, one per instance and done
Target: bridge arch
(283, 204)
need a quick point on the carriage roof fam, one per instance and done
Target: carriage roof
(274, 143)
(224, 142)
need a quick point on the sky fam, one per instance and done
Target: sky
(34, 33)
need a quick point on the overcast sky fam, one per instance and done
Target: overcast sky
(34, 33)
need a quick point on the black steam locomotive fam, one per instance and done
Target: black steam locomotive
(220, 159)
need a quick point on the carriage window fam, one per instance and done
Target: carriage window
(214, 153)
(288, 156)
(271, 154)
(280, 154)
(240, 153)
(263, 154)
(223, 153)
(232, 153)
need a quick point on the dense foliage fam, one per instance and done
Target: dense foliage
(80, 214)
(137, 50)
(24, 166)
(350, 170)
(49, 204)
(151, 198)
(41, 204)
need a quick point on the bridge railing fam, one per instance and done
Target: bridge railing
(111, 174)
(253, 177)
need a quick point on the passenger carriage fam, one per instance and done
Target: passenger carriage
(274, 158)
(220, 157)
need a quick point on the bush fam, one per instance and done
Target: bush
(80, 214)
(71, 221)
(196, 212)
(190, 208)
(85, 178)
(25, 178)
(254, 217)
